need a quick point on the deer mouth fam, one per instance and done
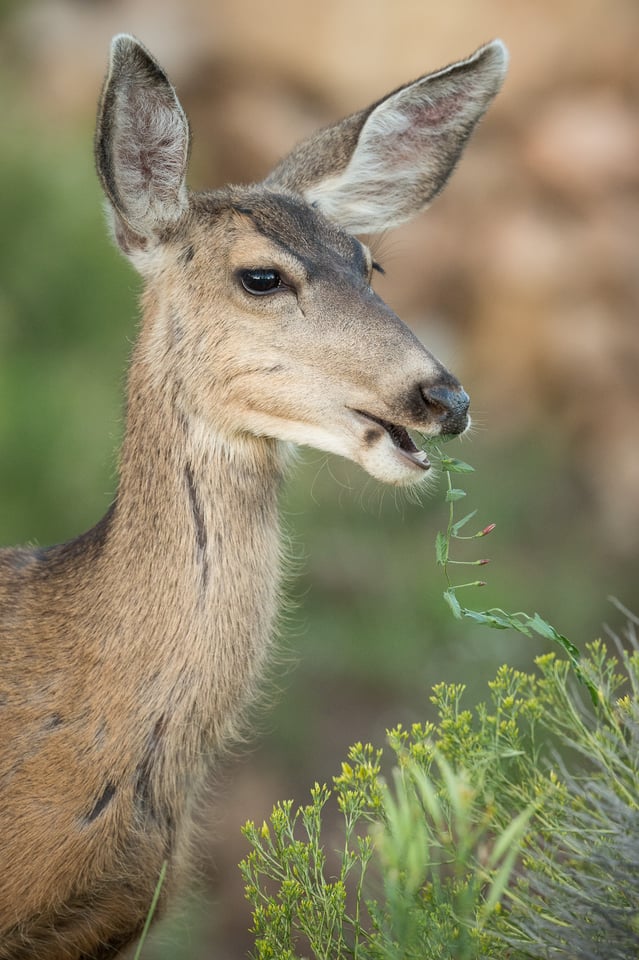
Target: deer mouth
(400, 437)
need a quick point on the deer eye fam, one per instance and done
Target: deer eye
(260, 281)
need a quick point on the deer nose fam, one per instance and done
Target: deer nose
(449, 405)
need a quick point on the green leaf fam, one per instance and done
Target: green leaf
(543, 628)
(453, 603)
(452, 465)
(456, 790)
(546, 630)
(441, 548)
(509, 841)
(511, 835)
(428, 795)
(489, 619)
(454, 494)
(456, 527)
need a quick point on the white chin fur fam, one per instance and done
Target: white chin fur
(382, 460)
(387, 463)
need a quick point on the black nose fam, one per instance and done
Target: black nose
(449, 405)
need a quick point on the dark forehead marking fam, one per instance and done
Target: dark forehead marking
(304, 234)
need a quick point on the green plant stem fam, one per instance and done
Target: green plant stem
(494, 617)
(152, 909)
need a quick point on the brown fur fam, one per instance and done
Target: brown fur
(130, 653)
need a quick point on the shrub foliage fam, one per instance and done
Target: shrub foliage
(484, 840)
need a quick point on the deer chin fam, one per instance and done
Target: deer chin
(384, 449)
(388, 452)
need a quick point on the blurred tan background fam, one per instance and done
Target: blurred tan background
(523, 278)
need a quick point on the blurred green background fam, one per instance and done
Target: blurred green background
(523, 278)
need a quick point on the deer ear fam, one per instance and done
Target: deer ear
(141, 147)
(383, 165)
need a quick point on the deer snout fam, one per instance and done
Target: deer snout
(448, 406)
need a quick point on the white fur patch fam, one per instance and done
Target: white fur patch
(409, 145)
(150, 145)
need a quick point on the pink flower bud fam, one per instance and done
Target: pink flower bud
(488, 529)
(482, 563)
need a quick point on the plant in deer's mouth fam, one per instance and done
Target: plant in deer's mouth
(494, 617)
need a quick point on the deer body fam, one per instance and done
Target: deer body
(127, 656)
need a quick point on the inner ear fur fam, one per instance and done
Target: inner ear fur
(382, 165)
(141, 145)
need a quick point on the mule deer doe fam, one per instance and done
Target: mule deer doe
(129, 653)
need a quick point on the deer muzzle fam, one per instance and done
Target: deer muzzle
(448, 407)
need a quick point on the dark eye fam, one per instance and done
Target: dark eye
(260, 281)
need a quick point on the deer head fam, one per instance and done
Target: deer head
(261, 314)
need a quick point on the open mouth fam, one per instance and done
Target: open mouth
(401, 439)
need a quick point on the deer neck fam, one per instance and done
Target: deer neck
(194, 543)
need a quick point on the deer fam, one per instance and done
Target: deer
(130, 654)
